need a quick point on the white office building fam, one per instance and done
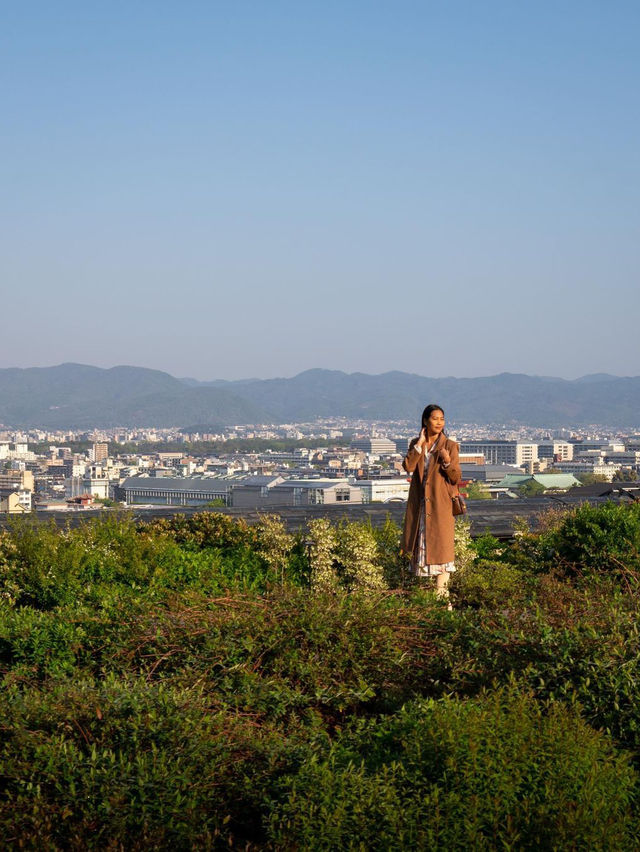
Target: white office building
(384, 490)
(517, 453)
(375, 446)
(598, 467)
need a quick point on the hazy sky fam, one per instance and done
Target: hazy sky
(235, 189)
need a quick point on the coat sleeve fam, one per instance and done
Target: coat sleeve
(452, 471)
(410, 461)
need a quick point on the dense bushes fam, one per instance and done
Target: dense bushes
(494, 773)
(200, 682)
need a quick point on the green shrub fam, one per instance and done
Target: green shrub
(600, 539)
(487, 546)
(177, 683)
(487, 584)
(591, 540)
(497, 772)
(127, 764)
(288, 655)
(569, 644)
(395, 566)
(204, 530)
(356, 557)
(464, 551)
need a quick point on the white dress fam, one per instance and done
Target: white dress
(419, 561)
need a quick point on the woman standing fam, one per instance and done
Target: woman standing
(428, 522)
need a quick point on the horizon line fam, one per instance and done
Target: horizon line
(603, 375)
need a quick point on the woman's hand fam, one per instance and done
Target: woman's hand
(422, 439)
(445, 458)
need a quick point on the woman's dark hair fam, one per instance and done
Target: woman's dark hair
(426, 414)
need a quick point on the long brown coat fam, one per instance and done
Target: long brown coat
(438, 491)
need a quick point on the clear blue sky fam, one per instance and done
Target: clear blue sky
(235, 189)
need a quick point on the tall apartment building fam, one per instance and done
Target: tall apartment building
(20, 480)
(502, 452)
(100, 451)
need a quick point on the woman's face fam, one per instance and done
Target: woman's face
(435, 423)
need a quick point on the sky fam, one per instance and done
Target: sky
(248, 189)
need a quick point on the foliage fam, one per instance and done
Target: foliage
(591, 478)
(322, 545)
(464, 551)
(273, 544)
(625, 474)
(487, 546)
(198, 682)
(599, 539)
(488, 584)
(531, 488)
(433, 777)
(356, 557)
(476, 491)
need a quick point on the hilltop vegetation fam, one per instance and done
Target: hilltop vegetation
(199, 683)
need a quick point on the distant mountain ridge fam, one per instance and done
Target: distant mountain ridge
(82, 396)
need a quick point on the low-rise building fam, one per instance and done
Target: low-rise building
(254, 491)
(488, 473)
(555, 481)
(296, 492)
(15, 502)
(384, 490)
(628, 459)
(375, 446)
(597, 467)
(168, 491)
(96, 486)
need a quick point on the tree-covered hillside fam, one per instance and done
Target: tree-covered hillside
(75, 395)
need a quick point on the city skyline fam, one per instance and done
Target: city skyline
(256, 190)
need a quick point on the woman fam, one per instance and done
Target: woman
(428, 522)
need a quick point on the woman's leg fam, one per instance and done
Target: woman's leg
(442, 585)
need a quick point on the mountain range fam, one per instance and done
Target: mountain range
(82, 396)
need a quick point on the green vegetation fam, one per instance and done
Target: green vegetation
(199, 683)
(591, 478)
(625, 474)
(107, 502)
(476, 491)
(531, 488)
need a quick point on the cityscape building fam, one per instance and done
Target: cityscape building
(501, 452)
(100, 451)
(315, 463)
